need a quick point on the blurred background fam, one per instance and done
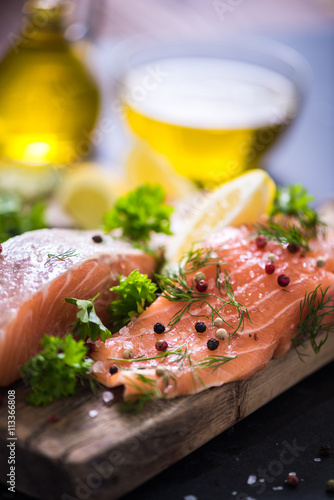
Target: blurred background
(70, 65)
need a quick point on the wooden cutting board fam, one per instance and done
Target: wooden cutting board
(79, 457)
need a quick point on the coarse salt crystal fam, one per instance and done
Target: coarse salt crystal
(124, 331)
(107, 396)
(128, 345)
(251, 479)
(99, 367)
(93, 413)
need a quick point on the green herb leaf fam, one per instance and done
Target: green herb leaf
(55, 371)
(139, 213)
(284, 233)
(135, 292)
(214, 362)
(17, 217)
(62, 256)
(294, 201)
(320, 310)
(88, 324)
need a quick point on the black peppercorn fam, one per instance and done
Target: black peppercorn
(113, 369)
(97, 238)
(159, 328)
(212, 344)
(200, 327)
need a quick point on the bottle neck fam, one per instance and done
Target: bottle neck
(44, 21)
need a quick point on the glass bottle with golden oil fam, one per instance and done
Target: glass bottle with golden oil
(48, 99)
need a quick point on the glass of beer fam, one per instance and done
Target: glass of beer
(211, 110)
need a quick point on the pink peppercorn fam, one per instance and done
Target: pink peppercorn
(270, 268)
(292, 480)
(293, 248)
(161, 345)
(0, 248)
(53, 419)
(261, 242)
(201, 286)
(283, 280)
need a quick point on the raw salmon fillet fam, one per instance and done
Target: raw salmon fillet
(33, 291)
(274, 313)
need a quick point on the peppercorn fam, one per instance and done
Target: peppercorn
(218, 322)
(113, 369)
(261, 242)
(128, 354)
(160, 372)
(200, 327)
(53, 419)
(199, 276)
(272, 258)
(321, 262)
(255, 336)
(161, 345)
(330, 485)
(292, 480)
(293, 248)
(221, 334)
(0, 248)
(97, 238)
(212, 344)
(159, 328)
(325, 450)
(202, 286)
(270, 268)
(283, 280)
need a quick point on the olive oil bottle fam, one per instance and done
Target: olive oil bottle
(48, 99)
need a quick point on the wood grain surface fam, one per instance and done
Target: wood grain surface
(80, 457)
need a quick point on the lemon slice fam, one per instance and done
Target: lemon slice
(145, 165)
(87, 193)
(240, 201)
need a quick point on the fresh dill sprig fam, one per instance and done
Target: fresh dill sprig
(148, 392)
(214, 362)
(319, 307)
(174, 286)
(62, 256)
(284, 234)
(292, 203)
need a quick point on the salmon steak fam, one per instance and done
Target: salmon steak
(39, 269)
(236, 304)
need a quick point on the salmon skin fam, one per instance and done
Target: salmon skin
(39, 269)
(188, 365)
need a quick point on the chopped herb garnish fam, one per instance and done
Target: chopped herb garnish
(88, 324)
(17, 217)
(319, 308)
(62, 256)
(55, 371)
(135, 292)
(214, 362)
(140, 213)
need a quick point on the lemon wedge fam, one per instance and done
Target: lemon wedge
(145, 165)
(87, 193)
(240, 201)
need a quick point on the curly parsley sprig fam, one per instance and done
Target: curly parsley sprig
(140, 213)
(57, 369)
(135, 293)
